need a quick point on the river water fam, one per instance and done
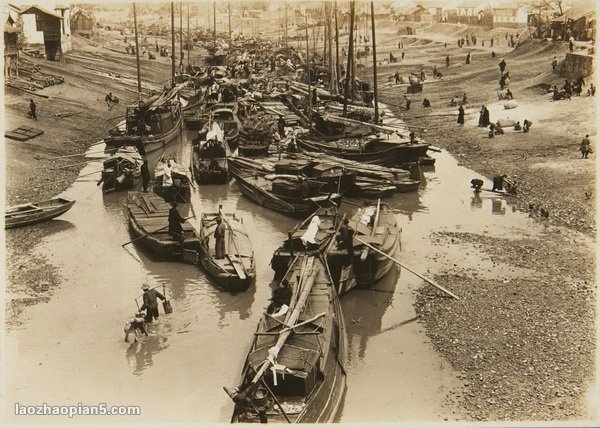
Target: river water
(71, 349)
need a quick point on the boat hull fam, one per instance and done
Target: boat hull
(25, 215)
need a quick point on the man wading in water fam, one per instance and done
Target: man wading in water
(151, 302)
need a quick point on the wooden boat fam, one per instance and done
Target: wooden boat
(225, 114)
(253, 148)
(335, 178)
(236, 271)
(296, 373)
(122, 170)
(372, 190)
(376, 225)
(161, 117)
(149, 222)
(30, 213)
(371, 151)
(312, 234)
(283, 193)
(209, 161)
(180, 190)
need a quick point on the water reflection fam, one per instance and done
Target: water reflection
(476, 201)
(364, 311)
(139, 354)
(497, 207)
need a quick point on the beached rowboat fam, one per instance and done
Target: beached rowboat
(30, 213)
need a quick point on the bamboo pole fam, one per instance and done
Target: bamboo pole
(374, 62)
(188, 35)
(137, 56)
(408, 269)
(349, 62)
(308, 75)
(337, 52)
(180, 37)
(172, 45)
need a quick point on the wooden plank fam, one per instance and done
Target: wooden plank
(237, 265)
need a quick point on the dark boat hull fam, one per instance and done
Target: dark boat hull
(385, 154)
(25, 215)
(298, 207)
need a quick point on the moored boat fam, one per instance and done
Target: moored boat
(294, 371)
(209, 161)
(149, 222)
(149, 126)
(31, 213)
(236, 270)
(122, 170)
(286, 194)
(369, 151)
(312, 234)
(179, 190)
(376, 225)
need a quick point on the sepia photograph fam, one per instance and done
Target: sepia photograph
(358, 212)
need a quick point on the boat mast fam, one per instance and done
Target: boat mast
(188, 35)
(337, 51)
(285, 31)
(180, 37)
(172, 45)
(374, 63)
(229, 13)
(349, 63)
(215, 23)
(308, 74)
(137, 56)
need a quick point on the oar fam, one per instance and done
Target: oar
(239, 255)
(151, 233)
(408, 269)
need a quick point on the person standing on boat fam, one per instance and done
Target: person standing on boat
(175, 222)
(167, 174)
(145, 172)
(150, 298)
(219, 239)
(344, 238)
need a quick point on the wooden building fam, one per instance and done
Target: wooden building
(51, 28)
(83, 23)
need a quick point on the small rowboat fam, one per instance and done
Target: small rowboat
(180, 189)
(236, 270)
(25, 214)
(122, 170)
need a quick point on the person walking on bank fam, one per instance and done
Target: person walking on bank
(447, 61)
(554, 63)
(145, 172)
(461, 115)
(468, 60)
(32, 109)
(585, 147)
(151, 297)
(219, 239)
(408, 101)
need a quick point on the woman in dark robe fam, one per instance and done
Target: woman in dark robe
(461, 115)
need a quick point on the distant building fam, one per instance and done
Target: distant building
(578, 22)
(414, 14)
(83, 23)
(47, 28)
(470, 12)
(507, 15)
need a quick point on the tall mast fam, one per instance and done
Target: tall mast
(349, 63)
(285, 34)
(329, 48)
(137, 55)
(187, 41)
(215, 23)
(337, 51)
(374, 62)
(180, 37)
(308, 75)
(172, 44)
(229, 13)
